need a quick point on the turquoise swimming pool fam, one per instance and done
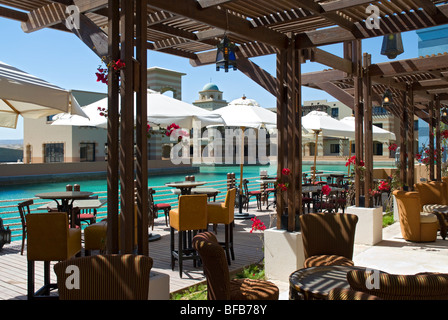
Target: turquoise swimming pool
(207, 173)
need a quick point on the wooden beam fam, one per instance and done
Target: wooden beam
(317, 9)
(221, 19)
(212, 3)
(258, 75)
(389, 24)
(331, 60)
(337, 93)
(242, 52)
(45, 16)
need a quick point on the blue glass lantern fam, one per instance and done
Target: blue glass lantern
(392, 45)
(225, 56)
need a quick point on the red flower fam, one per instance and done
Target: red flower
(445, 134)
(119, 65)
(282, 186)
(326, 190)
(393, 147)
(286, 171)
(257, 225)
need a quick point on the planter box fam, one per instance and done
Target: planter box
(283, 253)
(159, 286)
(369, 229)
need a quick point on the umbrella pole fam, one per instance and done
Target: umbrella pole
(240, 214)
(315, 155)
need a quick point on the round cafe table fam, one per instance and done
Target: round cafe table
(316, 282)
(185, 186)
(64, 200)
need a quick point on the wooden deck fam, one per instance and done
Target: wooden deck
(248, 249)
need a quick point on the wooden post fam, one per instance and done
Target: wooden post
(410, 138)
(141, 129)
(294, 133)
(127, 206)
(431, 140)
(358, 107)
(281, 134)
(438, 139)
(113, 122)
(368, 138)
(403, 151)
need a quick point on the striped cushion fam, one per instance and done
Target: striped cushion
(431, 207)
(327, 260)
(424, 286)
(349, 294)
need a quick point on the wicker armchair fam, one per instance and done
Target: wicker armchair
(415, 225)
(106, 277)
(328, 238)
(219, 285)
(422, 286)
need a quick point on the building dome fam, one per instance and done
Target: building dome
(210, 86)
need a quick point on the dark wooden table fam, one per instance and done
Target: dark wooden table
(316, 282)
(185, 186)
(64, 200)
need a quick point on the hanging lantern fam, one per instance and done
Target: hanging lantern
(387, 98)
(444, 115)
(392, 45)
(225, 57)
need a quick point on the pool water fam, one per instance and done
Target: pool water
(207, 173)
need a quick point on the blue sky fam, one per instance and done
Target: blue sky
(62, 59)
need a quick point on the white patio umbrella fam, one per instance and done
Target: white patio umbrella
(320, 122)
(24, 94)
(378, 133)
(246, 113)
(162, 110)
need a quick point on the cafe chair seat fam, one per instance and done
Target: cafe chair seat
(249, 194)
(189, 218)
(106, 277)
(328, 238)
(49, 239)
(216, 270)
(156, 207)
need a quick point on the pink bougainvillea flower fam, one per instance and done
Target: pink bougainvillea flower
(257, 224)
(286, 171)
(326, 190)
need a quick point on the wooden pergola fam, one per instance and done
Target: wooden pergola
(291, 29)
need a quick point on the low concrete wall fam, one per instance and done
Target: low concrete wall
(18, 173)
